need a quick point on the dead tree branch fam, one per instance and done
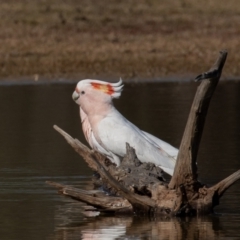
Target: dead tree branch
(186, 169)
(137, 201)
(226, 183)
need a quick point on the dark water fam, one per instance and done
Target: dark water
(31, 152)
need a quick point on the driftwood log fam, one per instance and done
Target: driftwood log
(140, 187)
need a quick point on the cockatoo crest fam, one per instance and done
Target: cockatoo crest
(112, 89)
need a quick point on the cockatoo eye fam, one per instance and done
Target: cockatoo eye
(82, 92)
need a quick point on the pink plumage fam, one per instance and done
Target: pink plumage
(107, 131)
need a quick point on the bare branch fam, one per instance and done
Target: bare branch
(186, 168)
(226, 183)
(94, 198)
(137, 201)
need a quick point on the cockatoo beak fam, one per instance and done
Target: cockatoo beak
(75, 96)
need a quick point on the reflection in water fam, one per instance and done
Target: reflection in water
(31, 152)
(107, 227)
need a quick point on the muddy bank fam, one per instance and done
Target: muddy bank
(52, 40)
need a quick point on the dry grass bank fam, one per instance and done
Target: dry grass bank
(132, 39)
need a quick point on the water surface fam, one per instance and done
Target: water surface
(31, 152)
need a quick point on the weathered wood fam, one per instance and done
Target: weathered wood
(94, 198)
(138, 202)
(185, 171)
(140, 187)
(226, 183)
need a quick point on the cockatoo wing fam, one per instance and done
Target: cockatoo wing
(112, 133)
(165, 148)
(169, 149)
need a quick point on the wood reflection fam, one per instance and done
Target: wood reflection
(117, 227)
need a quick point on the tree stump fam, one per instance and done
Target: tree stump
(140, 187)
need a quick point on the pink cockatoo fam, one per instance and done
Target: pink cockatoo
(107, 130)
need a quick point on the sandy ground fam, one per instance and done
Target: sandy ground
(135, 39)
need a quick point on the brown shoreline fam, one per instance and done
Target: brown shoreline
(111, 39)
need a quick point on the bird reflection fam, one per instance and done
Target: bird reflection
(75, 225)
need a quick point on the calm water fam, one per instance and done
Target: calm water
(31, 152)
